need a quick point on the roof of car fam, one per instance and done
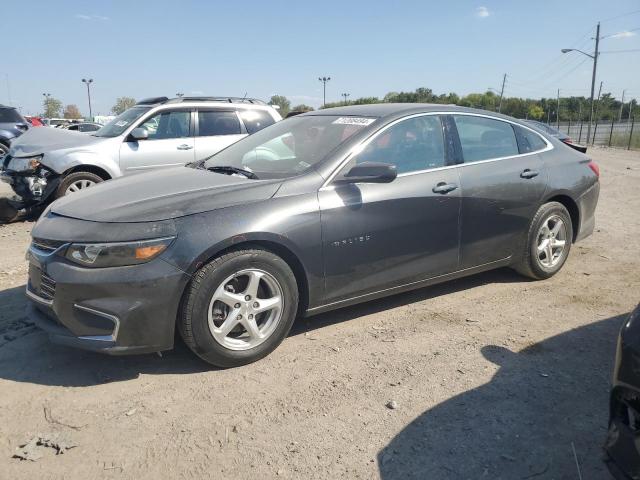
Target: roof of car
(388, 109)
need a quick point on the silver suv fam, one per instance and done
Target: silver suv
(45, 163)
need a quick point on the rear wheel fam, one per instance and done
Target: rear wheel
(548, 243)
(3, 149)
(239, 307)
(74, 182)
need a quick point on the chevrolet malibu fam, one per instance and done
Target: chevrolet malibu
(322, 210)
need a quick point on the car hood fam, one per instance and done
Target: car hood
(42, 140)
(162, 195)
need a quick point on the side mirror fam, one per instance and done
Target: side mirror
(139, 133)
(370, 172)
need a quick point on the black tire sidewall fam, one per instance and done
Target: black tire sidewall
(547, 210)
(74, 177)
(204, 345)
(3, 149)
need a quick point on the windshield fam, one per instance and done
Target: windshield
(290, 147)
(119, 124)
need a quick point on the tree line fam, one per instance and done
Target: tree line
(573, 109)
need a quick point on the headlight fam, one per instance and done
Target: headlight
(21, 164)
(98, 255)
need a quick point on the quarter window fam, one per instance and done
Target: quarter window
(255, 120)
(164, 125)
(411, 145)
(217, 122)
(484, 138)
(529, 141)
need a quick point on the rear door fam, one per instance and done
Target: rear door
(215, 130)
(502, 186)
(170, 143)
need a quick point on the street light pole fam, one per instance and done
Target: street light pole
(345, 95)
(324, 81)
(504, 79)
(88, 83)
(593, 76)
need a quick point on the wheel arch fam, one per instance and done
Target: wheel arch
(101, 172)
(273, 243)
(572, 207)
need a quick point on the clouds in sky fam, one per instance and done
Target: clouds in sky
(482, 12)
(624, 34)
(82, 16)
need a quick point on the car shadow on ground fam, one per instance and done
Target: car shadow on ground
(543, 402)
(29, 357)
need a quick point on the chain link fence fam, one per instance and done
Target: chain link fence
(625, 134)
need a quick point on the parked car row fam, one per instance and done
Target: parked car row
(156, 133)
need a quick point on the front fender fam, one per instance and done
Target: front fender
(65, 162)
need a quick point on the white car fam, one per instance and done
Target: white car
(45, 164)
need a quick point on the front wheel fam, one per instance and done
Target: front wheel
(548, 242)
(239, 307)
(3, 149)
(74, 182)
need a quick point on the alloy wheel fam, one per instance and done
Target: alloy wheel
(552, 239)
(79, 185)
(245, 309)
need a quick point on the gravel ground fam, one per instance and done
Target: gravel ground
(491, 376)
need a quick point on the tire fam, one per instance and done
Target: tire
(199, 307)
(3, 149)
(535, 262)
(75, 178)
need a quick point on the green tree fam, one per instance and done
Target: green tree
(535, 112)
(283, 102)
(52, 107)
(71, 111)
(302, 108)
(122, 104)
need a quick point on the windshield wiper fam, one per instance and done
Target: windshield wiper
(227, 169)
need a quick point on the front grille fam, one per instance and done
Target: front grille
(47, 287)
(47, 246)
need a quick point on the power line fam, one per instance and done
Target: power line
(621, 51)
(620, 16)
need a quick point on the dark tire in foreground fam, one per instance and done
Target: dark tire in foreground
(3, 149)
(548, 242)
(239, 307)
(74, 182)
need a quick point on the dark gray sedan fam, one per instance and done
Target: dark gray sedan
(322, 210)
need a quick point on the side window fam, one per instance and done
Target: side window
(168, 124)
(411, 145)
(255, 120)
(73, 127)
(217, 122)
(485, 138)
(529, 141)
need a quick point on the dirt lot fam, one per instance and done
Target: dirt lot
(494, 377)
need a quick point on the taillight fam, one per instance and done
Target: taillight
(594, 167)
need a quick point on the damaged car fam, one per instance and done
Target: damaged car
(622, 447)
(320, 211)
(46, 164)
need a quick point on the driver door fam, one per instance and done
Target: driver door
(378, 236)
(170, 143)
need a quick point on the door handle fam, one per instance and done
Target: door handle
(527, 173)
(443, 187)
(184, 146)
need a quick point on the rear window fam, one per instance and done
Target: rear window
(529, 141)
(9, 115)
(255, 120)
(485, 138)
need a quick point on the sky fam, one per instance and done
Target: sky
(261, 48)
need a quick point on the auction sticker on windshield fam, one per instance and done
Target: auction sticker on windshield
(354, 121)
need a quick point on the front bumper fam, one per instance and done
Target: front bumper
(116, 310)
(34, 187)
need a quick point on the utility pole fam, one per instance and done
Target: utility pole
(598, 102)
(558, 111)
(88, 83)
(324, 81)
(504, 79)
(593, 78)
(345, 95)
(621, 106)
